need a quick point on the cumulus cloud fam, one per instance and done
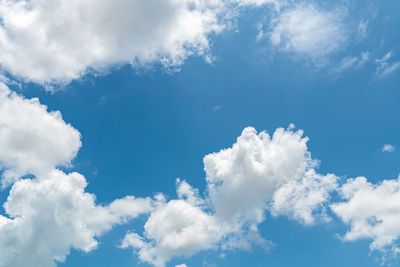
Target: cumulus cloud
(49, 213)
(179, 227)
(258, 172)
(50, 208)
(32, 140)
(61, 40)
(243, 178)
(309, 30)
(372, 212)
(299, 199)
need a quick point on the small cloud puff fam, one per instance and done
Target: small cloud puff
(217, 107)
(388, 148)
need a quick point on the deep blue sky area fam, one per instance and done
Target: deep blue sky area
(142, 129)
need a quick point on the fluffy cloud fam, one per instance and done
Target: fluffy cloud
(260, 168)
(64, 39)
(299, 199)
(371, 211)
(32, 140)
(178, 228)
(257, 172)
(67, 37)
(309, 30)
(51, 215)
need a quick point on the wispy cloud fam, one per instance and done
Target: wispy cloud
(357, 62)
(310, 30)
(217, 107)
(384, 66)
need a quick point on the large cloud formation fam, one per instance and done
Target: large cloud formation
(61, 40)
(257, 173)
(49, 213)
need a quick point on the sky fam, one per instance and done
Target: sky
(199, 133)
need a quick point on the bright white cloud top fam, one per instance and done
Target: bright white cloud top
(76, 35)
(62, 40)
(258, 171)
(32, 140)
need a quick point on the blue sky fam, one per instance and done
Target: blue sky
(145, 110)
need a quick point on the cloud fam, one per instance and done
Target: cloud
(356, 62)
(362, 29)
(53, 214)
(243, 181)
(309, 30)
(217, 107)
(243, 178)
(384, 67)
(177, 228)
(32, 140)
(49, 213)
(300, 199)
(388, 148)
(371, 211)
(61, 40)
(258, 2)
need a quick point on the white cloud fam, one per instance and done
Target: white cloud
(277, 3)
(384, 67)
(53, 214)
(176, 228)
(181, 265)
(309, 30)
(50, 213)
(260, 168)
(32, 140)
(217, 107)
(299, 199)
(362, 29)
(257, 172)
(388, 148)
(371, 211)
(60, 40)
(353, 62)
